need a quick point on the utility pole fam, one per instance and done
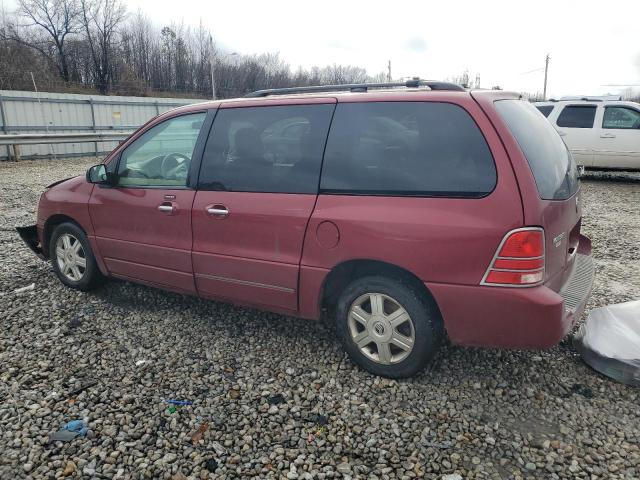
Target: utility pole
(212, 60)
(389, 72)
(546, 69)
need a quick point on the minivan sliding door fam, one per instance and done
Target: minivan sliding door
(257, 189)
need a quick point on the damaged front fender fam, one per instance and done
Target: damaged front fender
(29, 236)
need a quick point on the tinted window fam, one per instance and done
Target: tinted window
(577, 116)
(550, 161)
(621, 117)
(545, 109)
(266, 149)
(406, 148)
(162, 155)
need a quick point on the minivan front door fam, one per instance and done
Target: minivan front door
(143, 222)
(257, 188)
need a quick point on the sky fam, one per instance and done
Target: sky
(593, 45)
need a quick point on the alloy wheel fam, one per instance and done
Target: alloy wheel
(71, 257)
(381, 328)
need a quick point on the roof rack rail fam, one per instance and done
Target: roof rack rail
(357, 87)
(587, 98)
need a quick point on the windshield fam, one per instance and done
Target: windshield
(549, 158)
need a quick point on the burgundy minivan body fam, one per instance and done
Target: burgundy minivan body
(293, 252)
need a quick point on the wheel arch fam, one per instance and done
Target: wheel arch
(49, 226)
(346, 272)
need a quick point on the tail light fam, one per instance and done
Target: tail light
(519, 260)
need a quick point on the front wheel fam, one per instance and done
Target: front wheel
(388, 326)
(72, 258)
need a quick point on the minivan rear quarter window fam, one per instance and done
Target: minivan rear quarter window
(577, 116)
(549, 158)
(406, 148)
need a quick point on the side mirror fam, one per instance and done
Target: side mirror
(98, 174)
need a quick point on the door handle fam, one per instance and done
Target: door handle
(167, 207)
(218, 211)
(607, 135)
(562, 134)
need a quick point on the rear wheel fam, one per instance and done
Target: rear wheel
(387, 326)
(72, 258)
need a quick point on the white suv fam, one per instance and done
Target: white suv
(601, 133)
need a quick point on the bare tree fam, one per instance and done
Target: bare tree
(98, 48)
(100, 21)
(44, 26)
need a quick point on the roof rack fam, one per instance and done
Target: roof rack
(588, 98)
(357, 87)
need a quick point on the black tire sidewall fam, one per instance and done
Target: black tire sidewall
(419, 308)
(92, 274)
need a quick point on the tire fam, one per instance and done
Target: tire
(74, 265)
(422, 323)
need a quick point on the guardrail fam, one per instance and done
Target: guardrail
(15, 140)
(41, 138)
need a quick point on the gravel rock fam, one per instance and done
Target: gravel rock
(474, 414)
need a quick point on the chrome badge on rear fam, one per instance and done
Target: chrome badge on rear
(557, 241)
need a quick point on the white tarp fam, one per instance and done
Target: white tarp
(609, 341)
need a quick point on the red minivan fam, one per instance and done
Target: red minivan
(410, 212)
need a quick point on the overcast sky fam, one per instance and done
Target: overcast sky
(592, 44)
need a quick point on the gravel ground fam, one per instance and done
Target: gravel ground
(278, 395)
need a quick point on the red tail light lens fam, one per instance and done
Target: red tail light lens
(519, 260)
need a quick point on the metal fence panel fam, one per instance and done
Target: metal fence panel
(30, 112)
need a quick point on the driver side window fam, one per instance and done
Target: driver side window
(162, 155)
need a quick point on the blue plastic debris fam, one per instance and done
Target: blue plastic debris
(180, 403)
(73, 429)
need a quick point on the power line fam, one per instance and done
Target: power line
(532, 71)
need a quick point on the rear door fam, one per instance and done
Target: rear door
(257, 189)
(143, 223)
(575, 124)
(619, 145)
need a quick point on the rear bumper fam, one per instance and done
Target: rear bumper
(527, 318)
(29, 236)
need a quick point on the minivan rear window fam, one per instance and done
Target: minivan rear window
(549, 158)
(406, 149)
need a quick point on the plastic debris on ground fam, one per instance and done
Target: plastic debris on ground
(174, 405)
(28, 288)
(276, 399)
(73, 429)
(180, 403)
(211, 465)
(199, 433)
(219, 449)
(609, 341)
(318, 419)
